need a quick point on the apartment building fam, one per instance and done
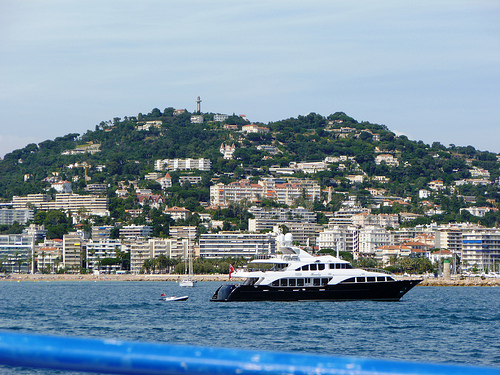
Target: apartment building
(480, 248)
(383, 220)
(98, 250)
(372, 237)
(16, 253)
(303, 233)
(234, 244)
(142, 250)
(21, 215)
(102, 232)
(67, 202)
(130, 232)
(284, 192)
(72, 252)
(183, 164)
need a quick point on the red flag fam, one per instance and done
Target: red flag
(163, 295)
(231, 270)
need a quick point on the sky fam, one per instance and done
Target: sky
(428, 69)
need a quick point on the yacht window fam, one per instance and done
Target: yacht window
(284, 282)
(305, 268)
(390, 279)
(307, 281)
(312, 267)
(342, 265)
(348, 266)
(324, 281)
(316, 282)
(350, 280)
(332, 266)
(360, 279)
(291, 282)
(370, 279)
(300, 282)
(380, 278)
(276, 283)
(321, 267)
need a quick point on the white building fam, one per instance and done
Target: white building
(372, 237)
(72, 252)
(233, 244)
(21, 215)
(135, 231)
(16, 252)
(183, 164)
(480, 248)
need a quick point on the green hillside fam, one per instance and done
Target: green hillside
(128, 153)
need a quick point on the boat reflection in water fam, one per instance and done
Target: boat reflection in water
(295, 275)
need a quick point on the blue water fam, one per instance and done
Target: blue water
(453, 325)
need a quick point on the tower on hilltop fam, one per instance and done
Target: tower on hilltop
(198, 105)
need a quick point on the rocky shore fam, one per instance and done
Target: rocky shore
(429, 281)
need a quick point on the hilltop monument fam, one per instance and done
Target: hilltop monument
(198, 105)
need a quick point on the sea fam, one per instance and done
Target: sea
(450, 325)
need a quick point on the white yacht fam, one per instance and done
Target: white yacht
(295, 275)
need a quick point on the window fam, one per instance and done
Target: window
(332, 266)
(291, 282)
(350, 280)
(300, 282)
(324, 281)
(313, 267)
(360, 279)
(316, 282)
(321, 267)
(305, 268)
(380, 278)
(276, 283)
(284, 282)
(370, 279)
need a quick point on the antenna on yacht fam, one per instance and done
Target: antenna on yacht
(337, 248)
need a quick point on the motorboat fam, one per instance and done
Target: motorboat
(173, 298)
(292, 274)
(186, 282)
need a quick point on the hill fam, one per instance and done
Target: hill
(126, 149)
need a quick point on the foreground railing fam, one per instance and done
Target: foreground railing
(122, 357)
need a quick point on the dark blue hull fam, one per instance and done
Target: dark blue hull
(377, 291)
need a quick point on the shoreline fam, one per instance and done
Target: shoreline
(429, 281)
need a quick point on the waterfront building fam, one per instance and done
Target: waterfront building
(48, 257)
(142, 250)
(235, 244)
(72, 252)
(480, 248)
(98, 250)
(17, 252)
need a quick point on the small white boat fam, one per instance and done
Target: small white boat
(187, 282)
(173, 298)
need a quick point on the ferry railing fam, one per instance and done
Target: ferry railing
(122, 357)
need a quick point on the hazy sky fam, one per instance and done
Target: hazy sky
(429, 69)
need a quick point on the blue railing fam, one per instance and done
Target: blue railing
(123, 357)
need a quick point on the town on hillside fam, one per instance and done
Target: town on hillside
(143, 194)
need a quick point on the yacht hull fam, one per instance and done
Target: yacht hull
(377, 291)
